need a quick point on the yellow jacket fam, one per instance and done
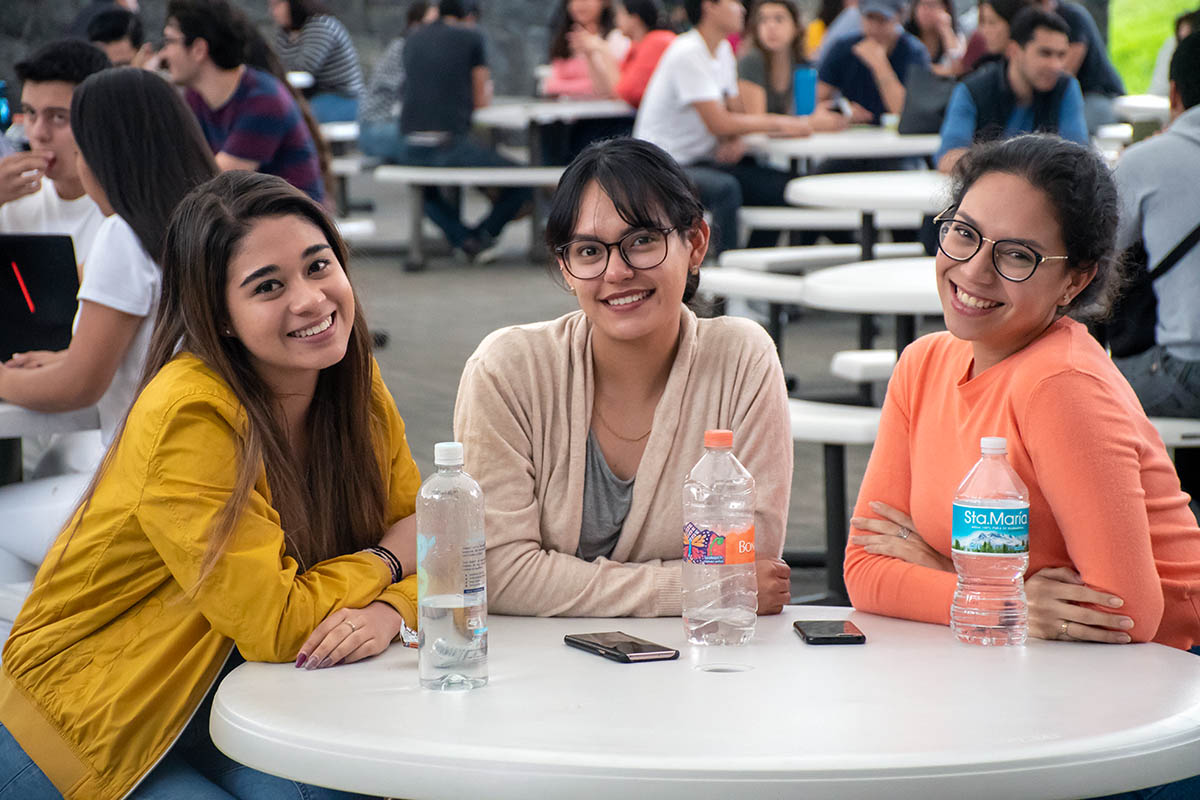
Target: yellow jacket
(109, 658)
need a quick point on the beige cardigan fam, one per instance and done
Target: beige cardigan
(523, 413)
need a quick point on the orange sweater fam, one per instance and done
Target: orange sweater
(1104, 497)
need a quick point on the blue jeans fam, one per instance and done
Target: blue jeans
(329, 107)
(379, 139)
(193, 769)
(461, 151)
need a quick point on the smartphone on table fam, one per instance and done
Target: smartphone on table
(620, 646)
(828, 631)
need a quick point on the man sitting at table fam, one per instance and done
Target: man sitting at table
(692, 110)
(1027, 91)
(869, 69)
(448, 78)
(248, 117)
(1088, 61)
(119, 33)
(1159, 184)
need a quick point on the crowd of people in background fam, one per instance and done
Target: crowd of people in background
(250, 455)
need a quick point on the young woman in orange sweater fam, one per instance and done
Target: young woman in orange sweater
(1114, 549)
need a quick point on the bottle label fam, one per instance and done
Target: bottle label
(702, 546)
(990, 530)
(474, 567)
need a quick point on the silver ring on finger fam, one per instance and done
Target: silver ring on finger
(1062, 630)
(903, 532)
(353, 627)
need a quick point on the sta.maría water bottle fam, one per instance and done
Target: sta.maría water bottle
(451, 579)
(720, 591)
(990, 549)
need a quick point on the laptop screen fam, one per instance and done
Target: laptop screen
(38, 284)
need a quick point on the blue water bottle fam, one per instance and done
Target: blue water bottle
(5, 110)
(804, 90)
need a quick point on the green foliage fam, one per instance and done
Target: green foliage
(1136, 29)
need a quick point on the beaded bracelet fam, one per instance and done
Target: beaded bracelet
(389, 558)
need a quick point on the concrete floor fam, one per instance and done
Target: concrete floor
(437, 317)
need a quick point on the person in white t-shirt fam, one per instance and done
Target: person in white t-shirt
(140, 150)
(692, 110)
(40, 190)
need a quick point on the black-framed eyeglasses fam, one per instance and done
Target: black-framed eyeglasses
(1014, 261)
(644, 248)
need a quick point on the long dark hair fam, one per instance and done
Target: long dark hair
(647, 11)
(796, 50)
(1080, 188)
(911, 26)
(647, 187)
(338, 505)
(562, 22)
(144, 146)
(301, 10)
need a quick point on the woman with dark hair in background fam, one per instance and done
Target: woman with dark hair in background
(310, 39)
(774, 47)
(1027, 243)
(641, 22)
(993, 33)
(257, 503)
(580, 27)
(582, 429)
(934, 23)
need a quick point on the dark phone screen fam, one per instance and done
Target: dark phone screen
(621, 642)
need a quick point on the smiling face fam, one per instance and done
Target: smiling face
(775, 27)
(183, 60)
(47, 109)
(289, 302)
(625, 304)
(998, 316)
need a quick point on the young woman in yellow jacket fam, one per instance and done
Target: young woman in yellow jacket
(258, 500)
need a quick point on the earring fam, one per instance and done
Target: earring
(695, 269)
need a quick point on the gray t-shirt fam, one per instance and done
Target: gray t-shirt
(606, 500)
(752, 67)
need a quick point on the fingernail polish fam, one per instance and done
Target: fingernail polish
(1116, 602)
(324, 663)
(300, 659)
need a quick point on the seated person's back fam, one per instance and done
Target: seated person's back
(438, 60)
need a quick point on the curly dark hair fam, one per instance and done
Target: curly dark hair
(1080, 188)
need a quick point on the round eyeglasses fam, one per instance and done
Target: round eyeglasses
(1014, 261)
(585, 259)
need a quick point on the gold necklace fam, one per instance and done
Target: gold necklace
(613, 431)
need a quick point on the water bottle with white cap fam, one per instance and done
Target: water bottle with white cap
(989, 544)
(451, 576)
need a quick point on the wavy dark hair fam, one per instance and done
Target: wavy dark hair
(1083, 194)
(561, 23)
(144, 146)
(648, 188)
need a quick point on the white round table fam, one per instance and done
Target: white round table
(519, 114)
(1142, 108)
(864, 142)
(911, 714)
(904, 287)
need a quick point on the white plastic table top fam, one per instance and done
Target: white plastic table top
(900, 190)
(884, 286)
(1142, 108)
(16, 421)
(911, 714)
(520, 114)
(864, 142)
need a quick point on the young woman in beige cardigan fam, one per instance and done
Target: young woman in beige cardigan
(582, 429)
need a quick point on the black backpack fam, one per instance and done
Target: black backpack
(1130, 329)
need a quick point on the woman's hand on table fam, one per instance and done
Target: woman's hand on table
(896, 536)
(774, 585)
(350, 634)
(1055, 596)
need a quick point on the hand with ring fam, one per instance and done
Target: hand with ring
(350, 634)
(895, 535)
(1060, 607)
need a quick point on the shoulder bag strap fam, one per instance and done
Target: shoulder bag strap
(1179, 252)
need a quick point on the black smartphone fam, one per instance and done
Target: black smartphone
(828, 631)
(621, 647)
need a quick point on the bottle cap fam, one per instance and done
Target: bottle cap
(448, 454)
(993, 444)
(718, 438)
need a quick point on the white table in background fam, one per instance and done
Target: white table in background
(530, 115)
(1142, 108)
(864, 142)
(905, 287)
(16, 422)
(911, 714)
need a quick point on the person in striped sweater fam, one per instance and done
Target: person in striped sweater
(310, 39)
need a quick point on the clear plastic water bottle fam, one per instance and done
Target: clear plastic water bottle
(990, 549)
(451, 576)
(720, 590)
